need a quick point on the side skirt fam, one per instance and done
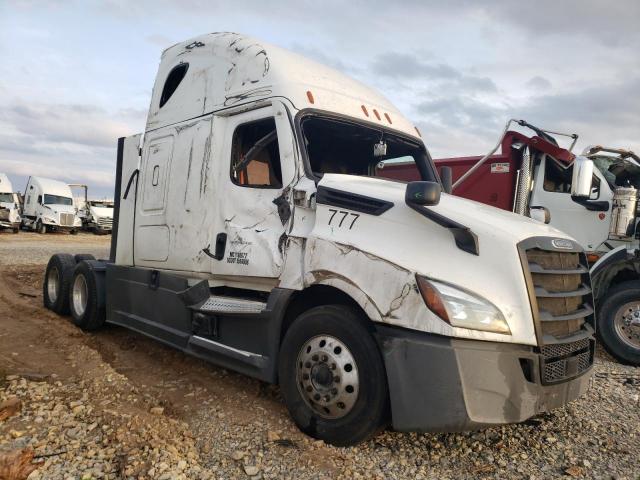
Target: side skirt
(163, 306)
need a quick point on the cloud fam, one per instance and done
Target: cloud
(539, 83)
(76, 124)
(406, 66)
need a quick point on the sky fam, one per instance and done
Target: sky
(76, 75)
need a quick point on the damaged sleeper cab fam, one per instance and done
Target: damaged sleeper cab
(250, 230)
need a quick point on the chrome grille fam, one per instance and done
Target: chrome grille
(66, 219)
(105, 222)
(562, 304)
(562, 289)
(4, 214)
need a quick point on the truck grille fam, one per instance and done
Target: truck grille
(105, 222)
(66, 219)
(562, 290)
(566, 360)
(562, 305)
(4, 213)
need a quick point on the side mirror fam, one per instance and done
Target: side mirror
(582, 177)
(541, 214)
(423, 193)
(446, 175)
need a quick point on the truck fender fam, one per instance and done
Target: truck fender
(349, 288)
(608, 267)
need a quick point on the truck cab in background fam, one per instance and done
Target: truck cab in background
(96, 215)
(48, 206)
(592, 197)
(9, 205)
(251, 230)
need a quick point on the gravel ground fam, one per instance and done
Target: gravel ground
(116, 405)
(28, 248)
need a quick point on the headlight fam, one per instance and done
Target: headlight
(49, 219)
(460, 308)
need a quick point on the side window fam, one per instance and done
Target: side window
(255, 156)
(557, 178)
(174, 78)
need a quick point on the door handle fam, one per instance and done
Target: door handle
(221, 245)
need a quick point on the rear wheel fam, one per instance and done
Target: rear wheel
(78, 257)
(16, 230)
(87, 309)
(332, 376)
(57, 277)
(73, 231)
(619, 322)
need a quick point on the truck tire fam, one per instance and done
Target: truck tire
(16, 230)
(78, 257)
(73, 231)
(620, 337)
(57, 278)
(41, 227)
(332, 376)
(86, 297)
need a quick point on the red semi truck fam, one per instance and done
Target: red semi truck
(535, 177)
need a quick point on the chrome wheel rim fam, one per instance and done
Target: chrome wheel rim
(53, 285)
(80, 295)
(627, 324)
(327, 376)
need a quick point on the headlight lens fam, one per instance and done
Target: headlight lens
(460, 308)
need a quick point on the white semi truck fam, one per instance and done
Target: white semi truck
(250, 230)
(96, 215)
(9, 205)
(48, 206)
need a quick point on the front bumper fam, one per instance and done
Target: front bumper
(6, 224)
(445, 384)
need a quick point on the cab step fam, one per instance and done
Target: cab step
(220, 304)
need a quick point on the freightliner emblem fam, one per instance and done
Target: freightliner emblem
(562, 243)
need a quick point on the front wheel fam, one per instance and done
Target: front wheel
(619, 322)
(332, 376)
(41, 227)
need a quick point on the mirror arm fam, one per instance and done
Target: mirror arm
(464, 237)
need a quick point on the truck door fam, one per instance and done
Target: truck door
(255, 170)
(588, 223)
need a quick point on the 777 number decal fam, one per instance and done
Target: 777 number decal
(340, 216)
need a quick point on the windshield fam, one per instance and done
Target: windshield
(101, 205)
(344, 146)
(6, 197)
(57, 200)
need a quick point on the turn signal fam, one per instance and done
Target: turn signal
(432, 298)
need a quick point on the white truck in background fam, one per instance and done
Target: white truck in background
(9, 205)
(251, 230)
(48, 206)
(96, 215)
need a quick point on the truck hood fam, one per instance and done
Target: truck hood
(102, 212)
(415, 244)
(488, 223)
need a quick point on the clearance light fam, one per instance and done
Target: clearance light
(364, 109)
(386, 115)
(418, 132)
(460, 308)
(593, 258)
(310, 97)
(375, 112)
